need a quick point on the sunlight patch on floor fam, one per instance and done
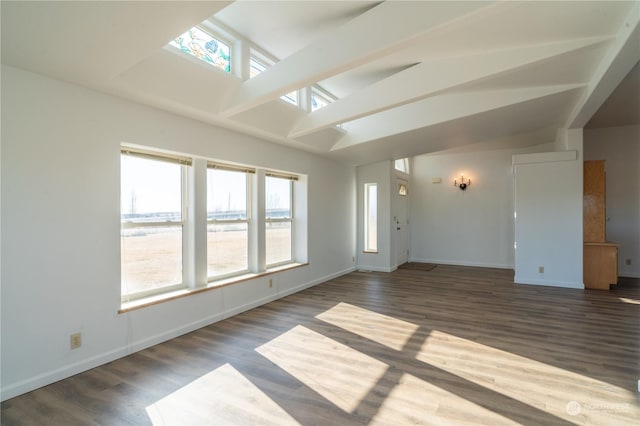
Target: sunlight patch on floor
(391, 332)
(218, 398)
(342, 375)
(436, 406)
(549, 388)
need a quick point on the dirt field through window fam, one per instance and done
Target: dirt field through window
(152, 257)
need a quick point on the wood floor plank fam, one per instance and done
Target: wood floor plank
(454, 345)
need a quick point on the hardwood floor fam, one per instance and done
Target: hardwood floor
(455, 345)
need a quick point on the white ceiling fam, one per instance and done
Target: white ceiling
(411, 77)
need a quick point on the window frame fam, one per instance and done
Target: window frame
(215, 36)
(240, 59)
(367, 247)
(184, 163)
(192, 221)
(290, 219)
(249, 196)
(264, 62)
(322, 94)
(404, 165)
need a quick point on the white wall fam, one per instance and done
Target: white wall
(476, 227)
(473, 227)
(548, 226)
(620, 148)
(60, 227)
(379, 173)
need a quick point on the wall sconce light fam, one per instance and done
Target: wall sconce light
(463, 184)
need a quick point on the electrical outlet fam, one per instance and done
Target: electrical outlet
(541, 269)
(75, 340)
(270, 283)
(628, 262)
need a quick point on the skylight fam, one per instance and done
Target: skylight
(319, 99)
(256, 67)
(203, 46)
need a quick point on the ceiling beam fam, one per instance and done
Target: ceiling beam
(616, 64)
(439, 109)
(433, 77)
(358, 42)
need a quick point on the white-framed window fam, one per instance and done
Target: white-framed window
(228, 219)
(402, 165)
(163, 222)
(319, 98)
(371, 217)
(152, 213)
(279, 216)
(199, 43)
(259, 64)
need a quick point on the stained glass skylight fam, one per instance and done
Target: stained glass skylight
(203, 46)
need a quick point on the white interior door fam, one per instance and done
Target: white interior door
(402, 221)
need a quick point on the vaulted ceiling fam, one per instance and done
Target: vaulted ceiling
(410, 77)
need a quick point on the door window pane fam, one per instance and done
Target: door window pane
(370, 217)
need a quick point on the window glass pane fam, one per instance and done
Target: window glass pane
(402, 165)
(151, 258)
(255, 67)
(371, 217)
(226, 195)
(150, 191)
(291, 97)
(198, 43)
(278, 197)
(227, 248)
(278, 242)
(318, 101)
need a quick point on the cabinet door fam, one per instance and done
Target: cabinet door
(594, 202)
(600, 266)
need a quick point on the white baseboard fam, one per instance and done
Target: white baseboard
(78, 367)
(368, 268)
(49, 377)
(315, 282)
(15, 389)
(629, 275)
(548, 283)
(463, 263)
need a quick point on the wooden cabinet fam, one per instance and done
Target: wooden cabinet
(600, 265)
(600, 258)
(594, 207)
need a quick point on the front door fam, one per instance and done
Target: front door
(402, 221)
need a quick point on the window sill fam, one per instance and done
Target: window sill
(177, 294)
